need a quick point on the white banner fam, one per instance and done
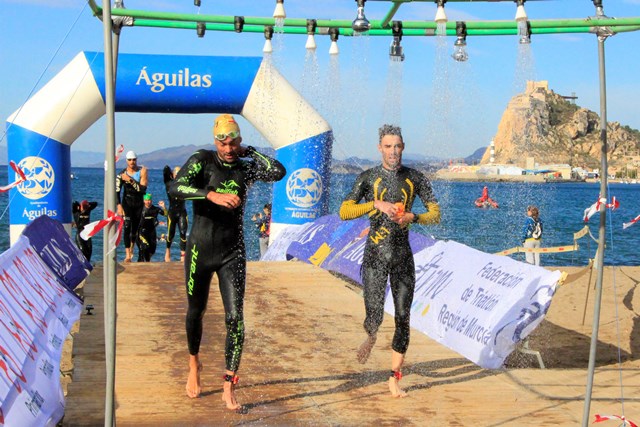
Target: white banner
(36, 314)
(277, 250)
(477, 304)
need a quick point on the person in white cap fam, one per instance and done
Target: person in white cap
(133, 180)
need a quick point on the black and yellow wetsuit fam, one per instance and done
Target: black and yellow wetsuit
(216, 241)
(177, 214)
(387, 253)
(147, 235)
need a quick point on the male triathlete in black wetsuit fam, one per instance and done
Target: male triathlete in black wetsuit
(147, 235)
(133, 180)
(81, 217)
(389, 191)
(217, 182)
(177, 216)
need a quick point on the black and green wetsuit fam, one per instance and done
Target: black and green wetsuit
(387, 254)
(216, 241)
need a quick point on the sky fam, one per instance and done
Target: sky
(446, 109)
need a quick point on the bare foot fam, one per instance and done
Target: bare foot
(193, 380)
(365, 348)
(181, 256)
(228, 396)
(395, 389)
(167, 256)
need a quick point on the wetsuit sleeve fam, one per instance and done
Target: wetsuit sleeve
(118, 187)
(137, 186)
(184, 186)
(431, 217)
(92, 205)
(267, 168)
(350, 208)
(75, 207)
(425, 192)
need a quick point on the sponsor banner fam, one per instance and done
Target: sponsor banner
(51, 241)
(179, 83)
(338, 245)
(277, 250)
(47, 191)
(302, 196)
(36, 314)
(477, 304)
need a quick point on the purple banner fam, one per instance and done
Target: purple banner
(50, 240)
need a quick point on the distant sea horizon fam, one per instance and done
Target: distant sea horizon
(488, 230)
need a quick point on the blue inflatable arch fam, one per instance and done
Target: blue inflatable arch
(40, 133)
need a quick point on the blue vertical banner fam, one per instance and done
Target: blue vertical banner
(303, 194)
(47, 190)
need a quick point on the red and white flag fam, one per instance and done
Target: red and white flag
(630, 223)
(119, 151)
(595, 208)
(600, 418)
(21, 177)
(94, 227)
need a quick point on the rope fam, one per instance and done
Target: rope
(13, 195)
(552, 249)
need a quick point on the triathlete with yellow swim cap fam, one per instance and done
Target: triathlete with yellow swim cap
(389, 191)
(217, 182)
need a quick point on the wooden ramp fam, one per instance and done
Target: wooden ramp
(298, 368)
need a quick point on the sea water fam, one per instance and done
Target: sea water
(561, 207)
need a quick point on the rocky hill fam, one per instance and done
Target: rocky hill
(542, 124)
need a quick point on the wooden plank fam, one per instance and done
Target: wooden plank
(303, 326)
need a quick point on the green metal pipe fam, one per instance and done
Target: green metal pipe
(375, 24)
(389, 16)
(380, 27)
(347, 32)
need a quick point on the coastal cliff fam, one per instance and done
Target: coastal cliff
(549, 128)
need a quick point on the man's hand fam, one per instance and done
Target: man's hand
(120, 211)
(395, 212)
(230, 201)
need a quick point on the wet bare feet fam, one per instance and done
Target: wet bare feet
(193, 380)
(167, 256)
(128, 255)
(228, 396)
(365, 348)
(395, 389)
